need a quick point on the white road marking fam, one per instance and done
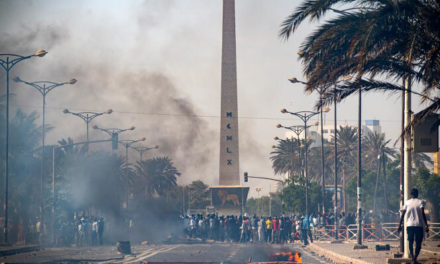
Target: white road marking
(161, 250)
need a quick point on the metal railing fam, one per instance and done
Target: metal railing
(370, 232)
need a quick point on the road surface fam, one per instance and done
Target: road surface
(171, 253)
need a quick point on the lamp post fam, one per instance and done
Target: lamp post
(305, 117)
(114, 132)
(127, 143)
(7, 62)
(258, 190)
(141, 150)
(44, 87)
(297, 130)
(87, 117)
(320, 90)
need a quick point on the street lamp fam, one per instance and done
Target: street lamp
(258, 190)
(305, 117)
(87, 117)
(141, 150)
(44, 87)
(127, 143)
(7, 62)
(321, 91)
(114, 133)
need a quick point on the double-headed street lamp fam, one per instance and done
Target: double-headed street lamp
(298, 130)
(295, 129)
(141, 150)
(44, 87)
(114, 133)
(87, 117)
(7, 62)
(305, 117)
(321, 110)
(127, 143)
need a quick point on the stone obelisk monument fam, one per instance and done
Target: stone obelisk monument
(229, 150)
(229, 197)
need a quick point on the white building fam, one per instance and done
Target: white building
(314, 133)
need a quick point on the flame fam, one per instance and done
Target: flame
(286, 256)
(297, 258)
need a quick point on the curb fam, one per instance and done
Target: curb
(338, 258)
(18, 250)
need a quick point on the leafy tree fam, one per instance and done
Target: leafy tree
(429, 185)
(376, 149)
(198, 195)
(293, 197)
(24, 169)
(287, 157)
(157, 176)
(347, 149)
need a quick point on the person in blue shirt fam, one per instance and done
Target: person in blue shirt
(305, 228)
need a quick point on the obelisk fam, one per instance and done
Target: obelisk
(229, 151)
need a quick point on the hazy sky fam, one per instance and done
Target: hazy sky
(156, 63)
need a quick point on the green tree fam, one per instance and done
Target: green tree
(24, 169)
(347, 149)
(198, 195)
(429, 185)
(398, 39)
(287, 157)
(376, 150)
(157, 176)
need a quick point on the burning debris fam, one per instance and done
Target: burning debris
(289, 256)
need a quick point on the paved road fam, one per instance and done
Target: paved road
(214, 253)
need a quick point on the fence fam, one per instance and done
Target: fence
(370, 232)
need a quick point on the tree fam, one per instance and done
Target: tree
(429, 185)
(347, 138)
(293, 197)
(198, 195)
(157, 176)
(287, 157)
(398, 39)
(377, 150)
(24, 162)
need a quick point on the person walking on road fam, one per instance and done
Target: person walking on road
(416, 218)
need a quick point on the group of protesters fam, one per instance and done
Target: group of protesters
(244, 229)
(85, 231)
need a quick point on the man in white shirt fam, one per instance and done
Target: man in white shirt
(414, 208)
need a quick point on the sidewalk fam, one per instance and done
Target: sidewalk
(344, 252)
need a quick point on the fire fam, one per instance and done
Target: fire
(294, 257)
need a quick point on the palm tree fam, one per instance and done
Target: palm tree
(347, 138)
(287, 157)
(398, 39)
(377, 149)
(23, 163)
(157, 176)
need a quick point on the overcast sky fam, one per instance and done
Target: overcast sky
(156, 63)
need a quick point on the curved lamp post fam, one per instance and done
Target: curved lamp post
(141, 150)
(127, 143)
(7, 62)
(305, 117)
(87, 117)
(321, 110)
(44, 87)
(114, 132)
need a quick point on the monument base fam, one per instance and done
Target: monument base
(229, 199)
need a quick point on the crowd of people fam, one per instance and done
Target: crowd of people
(253, 229)
(85, 231)
(271, 229)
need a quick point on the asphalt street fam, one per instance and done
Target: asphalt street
(173, 253)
